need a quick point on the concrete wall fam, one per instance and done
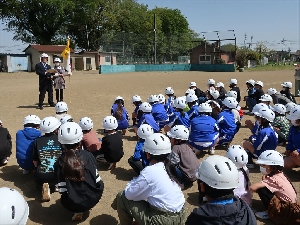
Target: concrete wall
(167, 67)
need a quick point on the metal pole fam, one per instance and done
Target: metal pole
(154, 38)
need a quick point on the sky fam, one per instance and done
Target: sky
(263, 20)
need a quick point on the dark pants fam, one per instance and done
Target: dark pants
(281, 138)
(41, 178)
(137, 166)
(59, 95)
(250, 157)
(43, 89)
(265, 195)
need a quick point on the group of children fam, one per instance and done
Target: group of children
(63, 156)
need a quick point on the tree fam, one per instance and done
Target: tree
(228, 47)
(241, 57)
(261, 48)
(36, 21)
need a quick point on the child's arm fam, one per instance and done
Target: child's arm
(256, 186)
(261, 138)
(137, 152)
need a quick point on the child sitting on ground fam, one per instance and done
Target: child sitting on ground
(265, 139)
(239, 157)
(182, 156)
(90, 140)
(254, 126)
(5, 144)
(266, 99)
(120, 113)
(216, 108)
(147, 118)
(46, 150)
(139, 161)
(24, 142)
(61, 109)
(192, 102)
(280, 124)
(232, 104)
(220, 88)
(66, 118)
(233, 87)
(158, 111)
(136, 101)
(112, 144)
(276, 192)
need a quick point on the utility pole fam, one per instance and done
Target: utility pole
(245, 39)
(154, 38)
(87, 37)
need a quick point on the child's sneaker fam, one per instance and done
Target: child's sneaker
(4, 161)
(262, 215)
(100, 157)
(112, 166)
(77, 217)
(46, 193)
(211, 151)
(25, 172)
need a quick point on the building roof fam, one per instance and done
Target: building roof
(297, 52)
(48, 48)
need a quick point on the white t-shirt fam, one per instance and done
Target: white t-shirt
(155, 185)
(242, 191)
(236, 115)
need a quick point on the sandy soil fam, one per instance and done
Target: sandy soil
(92, 95)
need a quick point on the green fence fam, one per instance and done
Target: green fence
(166, 67)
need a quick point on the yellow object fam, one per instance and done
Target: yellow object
(66, 51)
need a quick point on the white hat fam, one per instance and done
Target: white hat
(252, 82)
(70, 133)
(136, 98)
(49, 124)
(271, 91)
(204, 107)
(57, 60)
(294, 113)
(211, 81)
(180, 103)
(220, 84)
(289, 106)
(287, 84)
(271, 158)
(169, 91)
(233, 81)
(33, 119)
(190, 91)
(145, 107)
(279, 108)
(266, 98)
(193, 84)
(86, 123)
(237, 155)
(61, 107)
(44, 55)
(267, 114)
(179, 132)
(157, 144)
(110, 123)
(144, 131)
(260, 83)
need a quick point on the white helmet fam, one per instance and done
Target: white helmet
(153, 98)
(190, 92)
(169, 91)
(13, 209)
(231, 94)
(259, 106)
(70, 133)
(119, 98)
(157, 144)
(218, 172)
(211, 81)
(161, 98)
(145, 107)
(191, 98)
(86, 123)
(289, 106)
(136, 98)
(271, 158)
(287, 84)
(44, 55)
(180, 103)
(193, 84)
(144, 131)
(49, 124)
(230, 102)
(220, 84)
(267, 114)
(266, 98)
(57, 60)
(110, 123)
(66, 118)
(214, 102)
(215, 94)
(294, 113)
(237, 155)
(179, 132)
(61, 107)
(32, 119)
(233, 81)
(279, 108)
(204, 107)
(260, 83)
(252, 82)
(271, 91)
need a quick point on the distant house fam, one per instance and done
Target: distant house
(297, 56)
(14, 62)
(206, 53)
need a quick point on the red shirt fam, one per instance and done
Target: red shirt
(91, 141)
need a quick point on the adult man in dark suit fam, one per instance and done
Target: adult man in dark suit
(45, 81)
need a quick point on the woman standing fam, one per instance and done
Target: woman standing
(59, 81)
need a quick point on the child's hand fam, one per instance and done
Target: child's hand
(248, 122)
(294, 154)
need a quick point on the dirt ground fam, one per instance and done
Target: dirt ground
(92, 95)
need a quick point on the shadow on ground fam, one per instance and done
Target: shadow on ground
(103, 219)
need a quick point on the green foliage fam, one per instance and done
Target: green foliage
(241, 57)
(253, 55)
(228, 47)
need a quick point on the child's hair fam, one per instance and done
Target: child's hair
(279, 169)
(64, 112)
(190, 104)
(264, 123)
(32, 125)
(181, 111)
(72, 167)
(119, 112)
(137, 103)
(218, 194)
(180, 142)
(204, 113)
(246, 178)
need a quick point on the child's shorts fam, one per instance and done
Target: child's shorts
(225, 139)
(200, 146)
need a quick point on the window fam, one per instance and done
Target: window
(107, 59)
(88, 60)
(204, 59)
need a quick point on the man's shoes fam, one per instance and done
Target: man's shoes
(40, 107)
(52, 105)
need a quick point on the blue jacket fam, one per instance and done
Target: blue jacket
(177, 119)
(203, 129)
(226, 123)
(193, 112)
(255, 130)
(169, 109)
(123, 122)
(147, 118)
(293, 139)
(159, 113)
(139, 152)
(24, 143)
(266, 139)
